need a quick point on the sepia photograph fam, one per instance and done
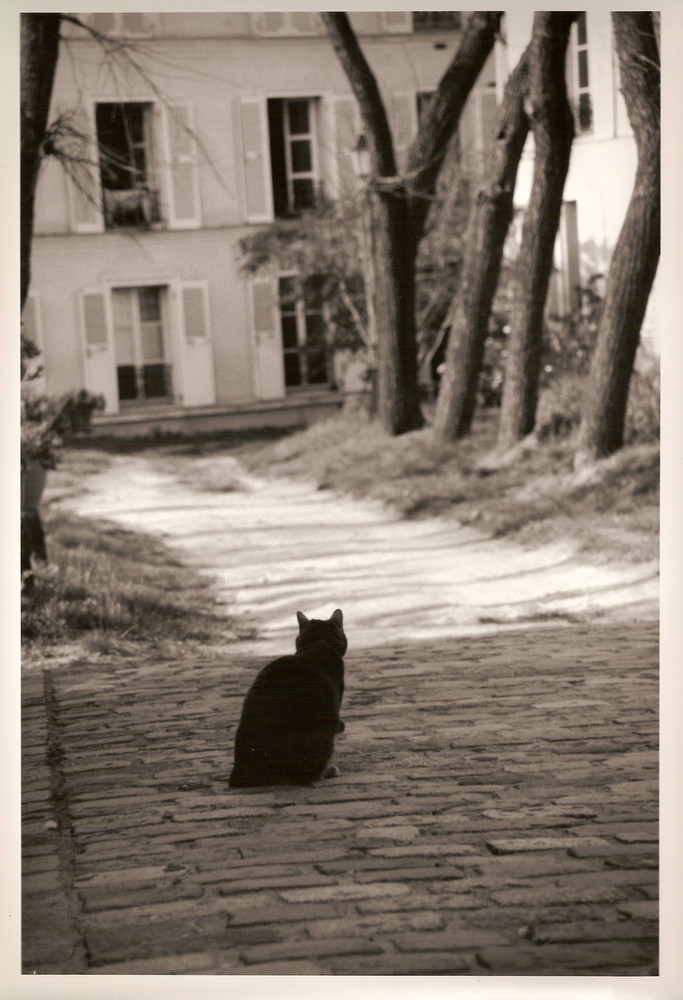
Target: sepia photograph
(341, 336)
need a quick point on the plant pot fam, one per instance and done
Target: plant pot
(33, 479)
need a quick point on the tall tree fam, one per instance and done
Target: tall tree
(400, 205)
(489, 221)
(552, 125)
(39, 51)
(636, 254)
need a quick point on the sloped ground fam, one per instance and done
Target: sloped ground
(496, 811)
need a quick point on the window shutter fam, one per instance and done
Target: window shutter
(195, 357)
(257, 189)
(85, 193)
(399, 21)
(31, 326)
(95, 321)
(403, 125)
(184, 212)
(135, 24)
(195, 309)
(100, 363)
(267, 350)
(263, 294)
(347, 130)
(488, 111)
(269, 23)
(304, 22)
(104, 23)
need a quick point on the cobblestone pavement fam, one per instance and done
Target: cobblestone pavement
(496, 814)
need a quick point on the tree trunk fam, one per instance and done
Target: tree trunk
(439, 123)
(392, 251)
(487, 228)
(399, 206)
(39, 50)
(636, 255)
(553, 129)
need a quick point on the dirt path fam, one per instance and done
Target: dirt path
(497, 808)
(277, 546)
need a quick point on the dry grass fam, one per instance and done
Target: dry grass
(108, 590)
(610, 511)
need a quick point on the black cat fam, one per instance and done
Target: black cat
(291, 712)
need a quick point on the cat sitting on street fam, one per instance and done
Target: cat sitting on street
(290, 715)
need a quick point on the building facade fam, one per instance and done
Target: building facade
(603, 159)
(188, 131)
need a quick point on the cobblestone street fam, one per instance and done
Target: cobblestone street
(496, 814)
(496, 811)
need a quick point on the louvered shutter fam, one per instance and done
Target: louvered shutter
(347, 130)
(85, 192)
(256, 162)
(403, 125)
(100, 365)
(268, 362)
(183, 201)
(197, 375)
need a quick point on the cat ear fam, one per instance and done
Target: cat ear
(337, 617)
(302, 619)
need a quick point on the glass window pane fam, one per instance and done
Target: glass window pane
(301, 156)
(126, 380)
(289, 333)
(288, 293)
(298, 117)
(152, 342)
(581, 28)
(313, 292)
(150, 308)
(317, 366)
(315, 329)
(585, 113)
(304, 192)
(583, 68)
(154, 381)
(292, 368)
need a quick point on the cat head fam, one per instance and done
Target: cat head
(330, 631)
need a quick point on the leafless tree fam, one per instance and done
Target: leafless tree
(489, 221)
(552, 124)
(636, 255)
(400, 205)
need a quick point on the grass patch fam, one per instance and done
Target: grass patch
(109, 590)
(611, 513)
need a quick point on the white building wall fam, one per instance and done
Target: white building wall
(603, 162)
(211, 63)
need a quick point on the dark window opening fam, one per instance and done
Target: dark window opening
(304, 342)
(436, 20)
(124, 138)
(583, 107)
(293, 155)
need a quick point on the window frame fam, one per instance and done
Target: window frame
(151, 24)
(141, 402)
(315, 174)
(300, 313)
(151, 143)
(578, 49)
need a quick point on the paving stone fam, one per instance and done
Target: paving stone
(424, 857)
(510, 846)
(310, 949)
